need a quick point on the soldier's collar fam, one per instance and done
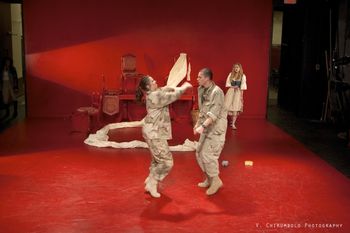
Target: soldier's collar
(211, 87)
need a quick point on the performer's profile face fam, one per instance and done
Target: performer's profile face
(152, 84)
(201, 79)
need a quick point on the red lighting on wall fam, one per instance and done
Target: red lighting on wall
(63, 72)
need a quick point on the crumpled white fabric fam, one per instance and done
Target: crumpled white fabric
(101, 139)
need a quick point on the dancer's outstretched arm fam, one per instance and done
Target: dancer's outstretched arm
(164, 98)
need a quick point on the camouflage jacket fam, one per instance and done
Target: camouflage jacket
(211, 104)
(157, 124)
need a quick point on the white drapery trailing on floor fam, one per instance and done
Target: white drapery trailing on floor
(101, 139)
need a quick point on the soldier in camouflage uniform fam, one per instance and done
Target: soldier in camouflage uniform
(157, 128)
(212, 126)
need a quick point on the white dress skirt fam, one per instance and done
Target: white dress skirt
(234, 100)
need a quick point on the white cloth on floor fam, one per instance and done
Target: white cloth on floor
(101, 139)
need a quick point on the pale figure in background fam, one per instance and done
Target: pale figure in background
(236, 83)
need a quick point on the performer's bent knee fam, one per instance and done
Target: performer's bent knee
(169, 164)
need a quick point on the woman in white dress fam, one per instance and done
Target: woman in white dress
(236, 83)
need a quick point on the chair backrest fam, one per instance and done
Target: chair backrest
(130, 77)
(128, 64)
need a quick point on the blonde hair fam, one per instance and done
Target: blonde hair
(236, 76)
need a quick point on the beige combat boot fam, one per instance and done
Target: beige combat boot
(151, 187)
(216, 183)
(147, 179)
(205, 183)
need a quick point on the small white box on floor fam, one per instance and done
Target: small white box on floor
(248, 163)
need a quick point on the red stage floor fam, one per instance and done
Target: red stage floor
(51, 182)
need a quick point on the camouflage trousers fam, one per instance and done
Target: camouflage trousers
(208, 152)
(162, 160)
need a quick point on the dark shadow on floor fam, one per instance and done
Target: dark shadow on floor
(320, 137)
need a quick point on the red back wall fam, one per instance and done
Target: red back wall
(70, 44)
